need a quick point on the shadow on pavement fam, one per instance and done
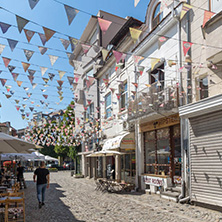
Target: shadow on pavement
(54, 210)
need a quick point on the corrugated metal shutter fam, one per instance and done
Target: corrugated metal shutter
(206, 158)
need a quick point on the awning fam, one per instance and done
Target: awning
(84, 153)
(105, 153)
(125, 141)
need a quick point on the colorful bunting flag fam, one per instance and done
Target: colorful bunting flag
(48, 33)
(31, 108)
(154, 61)
(73, 43)
(17, 101)
(74, 85)
(71, 13)
(136, 2)
(53, 59)
(185, 9)
(45, 80)
(29, 34)
(18, 108)
(31, 72)
(119, 56)
(65, 43)
(19, 83)
(171, 63)
(8, 88)
(34, 85)
(4, 27)
(104, 24)
(91, 80)
(186, 47)
(25, 66)
(31, 78)
(45, 96)
(3, 81)
(135, 84)
(11, 68)
(61, 74)
(118, 95)
(33, 3)
(6, 61)
(43, 38)
(141, 69)
(207, 16)
(106, 81)
(161, 41)
(51, 76)
(68, 54)
(104, 53)
(85, 48)
(8, 96)
(21, 22)
(135, 34)
(60, 82)
(1, 48)
(42, 49)
(136, 59)
(28, 54)
(70, 79)
(12, 43)
(15, 76)
(43, 70)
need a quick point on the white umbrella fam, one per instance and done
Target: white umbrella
(38, 156)
(49, 158)
(16, 156)
(105, 153)
(10, 144)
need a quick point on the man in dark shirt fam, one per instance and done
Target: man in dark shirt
(20, 176)
(42, 182)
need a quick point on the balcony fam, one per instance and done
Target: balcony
(153, 100)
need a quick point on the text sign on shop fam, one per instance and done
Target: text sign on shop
(153, 181)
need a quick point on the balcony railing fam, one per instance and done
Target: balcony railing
(152, 99)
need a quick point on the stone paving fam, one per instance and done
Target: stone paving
(71, 199)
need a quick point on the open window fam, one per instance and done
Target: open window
(157, 77)
(157, 16)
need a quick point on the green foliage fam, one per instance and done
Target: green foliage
(49, 150)
(62, 150)
(72, 152)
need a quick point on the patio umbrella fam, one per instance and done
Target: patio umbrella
(49, 158)
(10, 144)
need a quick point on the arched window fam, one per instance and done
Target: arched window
(157, 16)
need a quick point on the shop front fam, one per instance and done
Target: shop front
(162, 152)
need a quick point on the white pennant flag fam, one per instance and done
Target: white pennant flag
(1, 48)
(61, 74)
(53, 59)
(43, 70)
(136, 2)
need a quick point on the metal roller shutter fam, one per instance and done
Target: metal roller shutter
(206, 158)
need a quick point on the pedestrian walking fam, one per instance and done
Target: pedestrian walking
(20, 176)
(42, 175)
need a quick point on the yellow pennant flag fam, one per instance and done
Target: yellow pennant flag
(154, 61)
(135, 34)
(185, 9)
(104, 53)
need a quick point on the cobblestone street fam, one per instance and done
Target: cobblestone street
(70, 199)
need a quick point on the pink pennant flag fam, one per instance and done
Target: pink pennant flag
(91, 79)
(3, 81)
(85, 48)
(6, 61)
(119, 56)
(18, 108)
(104, 24)
(186, 47)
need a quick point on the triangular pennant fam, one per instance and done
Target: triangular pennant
(141, 69)
(24, 105)
(3, 81)
(42, 49)
(73, 43)
(185, 9)
(12, 43)
(135, 84)
(19, 83)
(91, 79)
(136, 2)
(31, 108)
(48, 33)
(29, 34)
(136, 59)
(106, 81)
(15, 76)
(12, 92)
(45, 96)
(65, 43)
(104, 24)
(8, 96)
(135, 34)
(186, 47)
(11, 68)
(27, 114)
(119, 56)
(161, 41)
(87, 84)
(51, 76)
(207, 16)
(4, 27)
(60, 82)
(112, 89)
(154, 61)
(43, 90)
(21, 22)
(31, 72)
(1, 48)
(43, 38)
(17, 101)
(43, 70)
(6, 61)
(45, 80)
(59, 88)
(89, 101)
(34, 85)
(31, 78)
(104, 53)
(85, 48)
(8, 88)
(71, 13)
(74, 85)
(28, 54)
(25, 66)
(70, 79)
(68, 54)
(118, 95)
(61, 74)
(171, 63)
(33, 3)
(17, 107)
(53, 59)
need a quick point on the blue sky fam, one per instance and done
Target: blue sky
(50, 14)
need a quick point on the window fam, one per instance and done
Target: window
(89, 111)
(157, 16)
(157, 77)
(203, 84)
(216, 5)
(123, 96)
(108, 104)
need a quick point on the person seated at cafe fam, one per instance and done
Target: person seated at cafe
(20, 176)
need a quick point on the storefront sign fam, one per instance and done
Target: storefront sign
(155, 181)
(160, 123)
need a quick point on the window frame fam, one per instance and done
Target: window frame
(161, 76)
(201, 86)
(108, 109)
(157, 16)
(123, 94)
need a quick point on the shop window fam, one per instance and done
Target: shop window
(157, 16)
(157, 77)
(108, 104)
(216, 6)
(203, 84)
(123, 96)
